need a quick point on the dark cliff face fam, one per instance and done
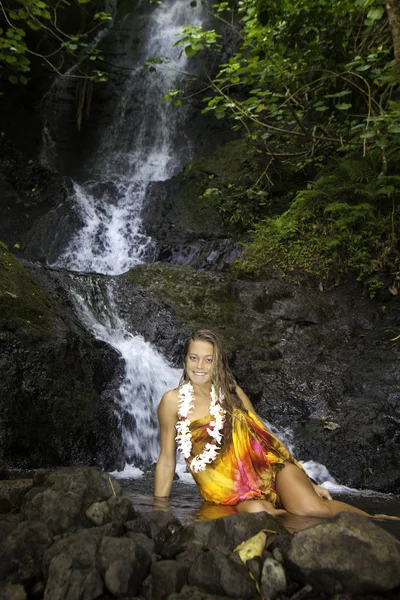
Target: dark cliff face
(57, 382)
(320, 363)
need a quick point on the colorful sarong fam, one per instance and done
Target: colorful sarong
(244, 470)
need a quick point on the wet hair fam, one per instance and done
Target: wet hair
(222, 376)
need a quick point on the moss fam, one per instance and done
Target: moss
(198, 298)
(24, 305)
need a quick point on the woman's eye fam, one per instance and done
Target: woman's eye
(209, 360)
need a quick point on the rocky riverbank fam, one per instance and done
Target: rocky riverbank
(76, 537)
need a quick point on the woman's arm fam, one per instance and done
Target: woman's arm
(165, 469)
(245, 400)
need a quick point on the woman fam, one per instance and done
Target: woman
(233, 457)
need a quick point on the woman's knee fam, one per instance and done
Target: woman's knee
(257, 506)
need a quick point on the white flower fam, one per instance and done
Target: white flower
(215, 429)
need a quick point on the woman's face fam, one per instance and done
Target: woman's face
(199, 362)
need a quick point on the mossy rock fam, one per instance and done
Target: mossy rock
(200, 299)
(24, 305)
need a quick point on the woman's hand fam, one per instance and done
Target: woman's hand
(321, 492)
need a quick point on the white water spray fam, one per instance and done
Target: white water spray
(147, 374)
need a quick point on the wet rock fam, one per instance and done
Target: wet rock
(168, 577)
(3, 470)
(70, 580)
(227, 532)
(117, 510)
(22, 551)
(217, 572)
(158, 525)
(12, 493)
(124, 565)
(55, 398)
(81, 547)
(190, 592)
(349, 554)
(12, 592)
(273, 579)
(61, 502)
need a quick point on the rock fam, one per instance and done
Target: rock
(190, 592)
(12, 592)
(217, 572)
(55, 399)
(65, 496)
(158, 525)
(81, 547)
(349, 554)
(22, 551)
(117, 510)
(142, 540)
(273, 579)
(226, 532)
(124, 565)
(12, 492)
(70, 581)
(168, 576)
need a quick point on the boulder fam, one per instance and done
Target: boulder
(167, 577)
(190, 592)
(124, 565)
(349, 554)
(70, 581)
(66, 494)
(273, 579)
(12, 493)
(226, 532)
(118, 509)
(221, 573)
(12, 592)
(22, 551)
(81, 547)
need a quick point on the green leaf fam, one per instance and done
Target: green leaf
(374, 14)
(368, 134)
(24, 80)
(193, 4)
(343, 106)
(189, 51)
(13, 79)
(394, 128)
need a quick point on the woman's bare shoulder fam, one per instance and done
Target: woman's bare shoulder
(170, 398)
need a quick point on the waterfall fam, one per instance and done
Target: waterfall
(143, 142)
(147, 375)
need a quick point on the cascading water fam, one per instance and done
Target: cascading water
(143, 143)
(147, 374)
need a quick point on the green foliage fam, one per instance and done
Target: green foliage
(311, 83)
(26, 24)
(346, 221)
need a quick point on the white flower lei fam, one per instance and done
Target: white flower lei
(184, 437)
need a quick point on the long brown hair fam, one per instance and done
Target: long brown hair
(222, 376)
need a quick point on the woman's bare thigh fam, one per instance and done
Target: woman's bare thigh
(297, 494)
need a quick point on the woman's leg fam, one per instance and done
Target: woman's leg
(259, 506)
(298, 496)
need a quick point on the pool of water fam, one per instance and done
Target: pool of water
(186, 503)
